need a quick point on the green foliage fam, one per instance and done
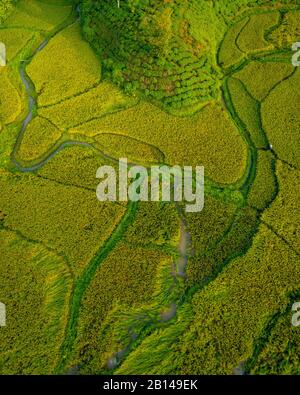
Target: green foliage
(6, 7)
(208, 138)
(288, 32)
(73, 68)
(35, 287)
(229, 53)
(264, 188)
(261, 77)
(95, 103)
(74, 165)
(155, 223)
(38, 15)
(279, 348)
(68, 219)
(252, 38)
(10, 103)
(283, 214)
(148, 47)
(233, 310)
(235, 241)
(40, 135)
(207, 227)
(14, 40)
(281, 119)
(248, 111)
(126, 278)
(136, 151)
(98, 281)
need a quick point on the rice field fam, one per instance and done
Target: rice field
(70, 56)
(183, 140)
(138, 288)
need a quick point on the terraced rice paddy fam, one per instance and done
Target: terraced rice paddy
(134, 288)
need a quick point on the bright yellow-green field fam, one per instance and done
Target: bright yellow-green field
(234, 310)
(35, 287)
(261, 77)
(38, 15)
(39, 137)
(73, 68)
(97, 102)
(10, 102)
(281, 119)
(252, 36)
(209, 138)
(134, 150)
(134, 266)
(96, 287)
(14, 39)
(283, 214)
(229, 52)
(68, 219)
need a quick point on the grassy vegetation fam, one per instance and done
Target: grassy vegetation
(231, 312)
(248, 111)
(154, 224)
(70, 56)
(252, 38)
(38, 15)
(10, 101)
(264, 188)
(207, 227)
(68, 219)
(101, 281)
(119, 146)
(35, 287)
(277, 354)
(237, 238)
(283, 214)
(39, 137)
(97, 102)
(288, 32)
(134, 266)
(280, 119)
(261, 77)
(15, 40)
(229, 53)
(74, 165)
(6, 6)
(183, 140)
